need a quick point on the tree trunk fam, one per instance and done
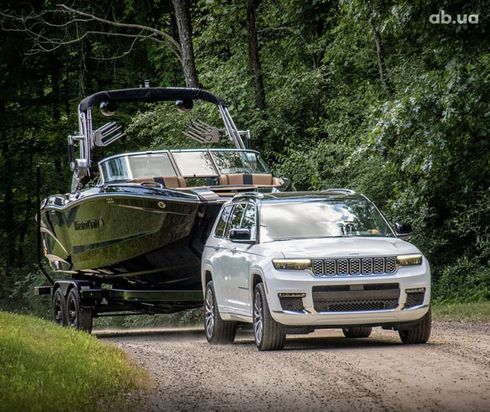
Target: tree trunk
(184, 27)
(253, 54)
(381, 60)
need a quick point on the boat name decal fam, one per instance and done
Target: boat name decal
(89, 224)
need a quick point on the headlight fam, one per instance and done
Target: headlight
(292, 264)
(409, 260)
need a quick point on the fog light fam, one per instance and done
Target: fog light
(292, 295)
(415, 290)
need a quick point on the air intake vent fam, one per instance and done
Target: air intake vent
(356, 298)
(292, 304)
(414, 299)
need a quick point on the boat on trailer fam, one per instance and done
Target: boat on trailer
(132, 243)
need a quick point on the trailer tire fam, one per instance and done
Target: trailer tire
(59, 308)
(77, 317)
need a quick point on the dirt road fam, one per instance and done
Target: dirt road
(323, 371)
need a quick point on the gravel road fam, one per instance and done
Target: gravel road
(322, 371)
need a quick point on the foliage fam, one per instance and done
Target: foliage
(71, 370)
(418, 146)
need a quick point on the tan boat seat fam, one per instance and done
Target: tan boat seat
(256, 179)
(166, 181)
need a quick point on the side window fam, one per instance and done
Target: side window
(220, 227)
(236, 218)
(248, 221)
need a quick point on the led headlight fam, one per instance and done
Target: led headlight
(292, 264)
(409, 260)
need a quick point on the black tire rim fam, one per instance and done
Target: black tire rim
(258, 320)
(58, 310)
(209, 313)
(72, 310)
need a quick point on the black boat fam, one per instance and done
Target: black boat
(133, 241)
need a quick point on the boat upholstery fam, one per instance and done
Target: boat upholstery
(166, 181)
(255, 179)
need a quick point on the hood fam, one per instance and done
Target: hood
(341, 247)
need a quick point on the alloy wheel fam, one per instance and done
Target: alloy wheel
(209, 312)
(258, 321)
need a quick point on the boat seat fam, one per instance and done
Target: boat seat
(256, 179)
(166, 181)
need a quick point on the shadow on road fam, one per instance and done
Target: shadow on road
(181, 333)
(329, 341)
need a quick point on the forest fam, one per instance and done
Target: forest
(376, 96)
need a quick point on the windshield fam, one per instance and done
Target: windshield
(324, 218)
(230, 162)
(194, 163)
(137, 166)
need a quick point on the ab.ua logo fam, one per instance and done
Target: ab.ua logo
(443, 18)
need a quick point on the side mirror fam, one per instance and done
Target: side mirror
(241, 235)
(403, 230)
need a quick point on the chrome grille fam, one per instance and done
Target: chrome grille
(343, 267)
(330, 267)
(317, 266)
(354, 266)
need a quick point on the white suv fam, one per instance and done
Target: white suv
(299, 261)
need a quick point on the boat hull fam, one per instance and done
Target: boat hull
(129, 236)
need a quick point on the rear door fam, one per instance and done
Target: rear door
(217, 257)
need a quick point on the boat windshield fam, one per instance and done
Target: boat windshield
(188, 164)
(322, 219)
(137, 166)
(229, 162)
(194, 163)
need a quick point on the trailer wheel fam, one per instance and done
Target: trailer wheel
(59, 308)
(78, 317)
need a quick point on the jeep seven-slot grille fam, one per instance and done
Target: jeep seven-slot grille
(354, 266)
(356, 298)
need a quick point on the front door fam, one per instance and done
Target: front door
(240, 259)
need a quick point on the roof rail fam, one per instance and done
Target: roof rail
(340, 190)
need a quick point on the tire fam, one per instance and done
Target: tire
(420, 333)
(218, 331)
(59, 308)
(358, 332)
(77, 317)
(268, 334)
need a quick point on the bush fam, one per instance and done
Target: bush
(464, 282)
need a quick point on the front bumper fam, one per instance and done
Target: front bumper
(280, 282)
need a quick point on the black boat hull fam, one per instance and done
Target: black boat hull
(129, 236)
